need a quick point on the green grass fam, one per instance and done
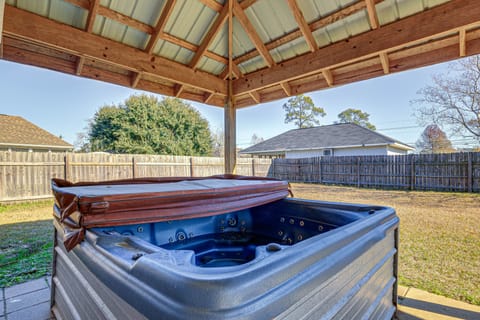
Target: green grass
(26, 241)
(439, 236)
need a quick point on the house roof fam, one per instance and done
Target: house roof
(342, 135)
(16, 131)
(271, 49)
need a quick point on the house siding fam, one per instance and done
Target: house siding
(359, 151)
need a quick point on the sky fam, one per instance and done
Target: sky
(62, 104)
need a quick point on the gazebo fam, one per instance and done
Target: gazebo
(234, 54)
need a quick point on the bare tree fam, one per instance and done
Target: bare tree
(453, 100)
(255, 139)
(434, 140)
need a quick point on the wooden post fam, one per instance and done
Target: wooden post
(358, 172)
(321, 169)
(134, 167)
(253, 167)
(66, 170)
(191, 167)
(469, 172)
(412, 173)
(230, 112)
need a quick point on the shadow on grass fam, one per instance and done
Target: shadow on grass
(25, 251)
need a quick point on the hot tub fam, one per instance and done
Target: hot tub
(282, 258)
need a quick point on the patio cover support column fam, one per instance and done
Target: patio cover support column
(230, 133)
(2, 12)
(230, 140)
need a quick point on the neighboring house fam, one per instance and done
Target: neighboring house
(344, 139)
(18, 134)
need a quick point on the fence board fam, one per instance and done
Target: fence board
(26, 175)
(440, 172)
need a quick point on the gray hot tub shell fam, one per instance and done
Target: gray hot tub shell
(289, 259)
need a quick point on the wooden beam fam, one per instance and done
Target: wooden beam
(92, 14)
(177, 90)
(210, 36)
(162, 20)
(230, 46)
(327, 74)
(212, 4)
(385, 62)
(192, 47)
(303, 25)
(230, 139)
(462, 42)
(136, 76)
(393, 36)
(255, 96)
(286, 88)
(372, 14)
(57, 35)
(208, 97)
(320, 23)
(252, 34)
(124, 19)
(80, 63)
(2, 10)
(247, 3)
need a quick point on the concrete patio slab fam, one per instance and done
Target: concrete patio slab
(29, 300)
(418, 304)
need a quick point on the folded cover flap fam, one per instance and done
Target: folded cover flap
(110, 203)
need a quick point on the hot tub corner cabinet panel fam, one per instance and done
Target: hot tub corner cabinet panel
(288, 259)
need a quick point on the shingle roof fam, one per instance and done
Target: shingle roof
(324, 137)
(15, 130)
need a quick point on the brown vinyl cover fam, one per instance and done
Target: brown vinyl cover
(83, 205)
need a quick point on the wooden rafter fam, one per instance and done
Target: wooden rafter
(230, 7)
(315, 25)
(136, 76)
(327, 74)
(210, 36)
(92, 14)
(40, 30)
(372, 14)
(2, 8)
(80, 63)
(177, 90)
(303, 25)
(162, 20)
(255, 96)
(286, 88)
(462, 41)
(385, 62)
(368, 44)
(252, 34)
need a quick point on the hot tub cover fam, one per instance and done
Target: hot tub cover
(83, 205)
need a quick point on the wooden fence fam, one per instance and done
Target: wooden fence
(26, 175)
(439, 172)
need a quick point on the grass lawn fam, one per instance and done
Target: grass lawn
(439, 237)
(26, 241)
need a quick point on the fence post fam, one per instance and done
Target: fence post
(273, 168)
(358, 172)
(134, 167)
(321, 169)
(191, 166)
(469, 172)
(66, 169)
(253, 167)
(412, 173)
